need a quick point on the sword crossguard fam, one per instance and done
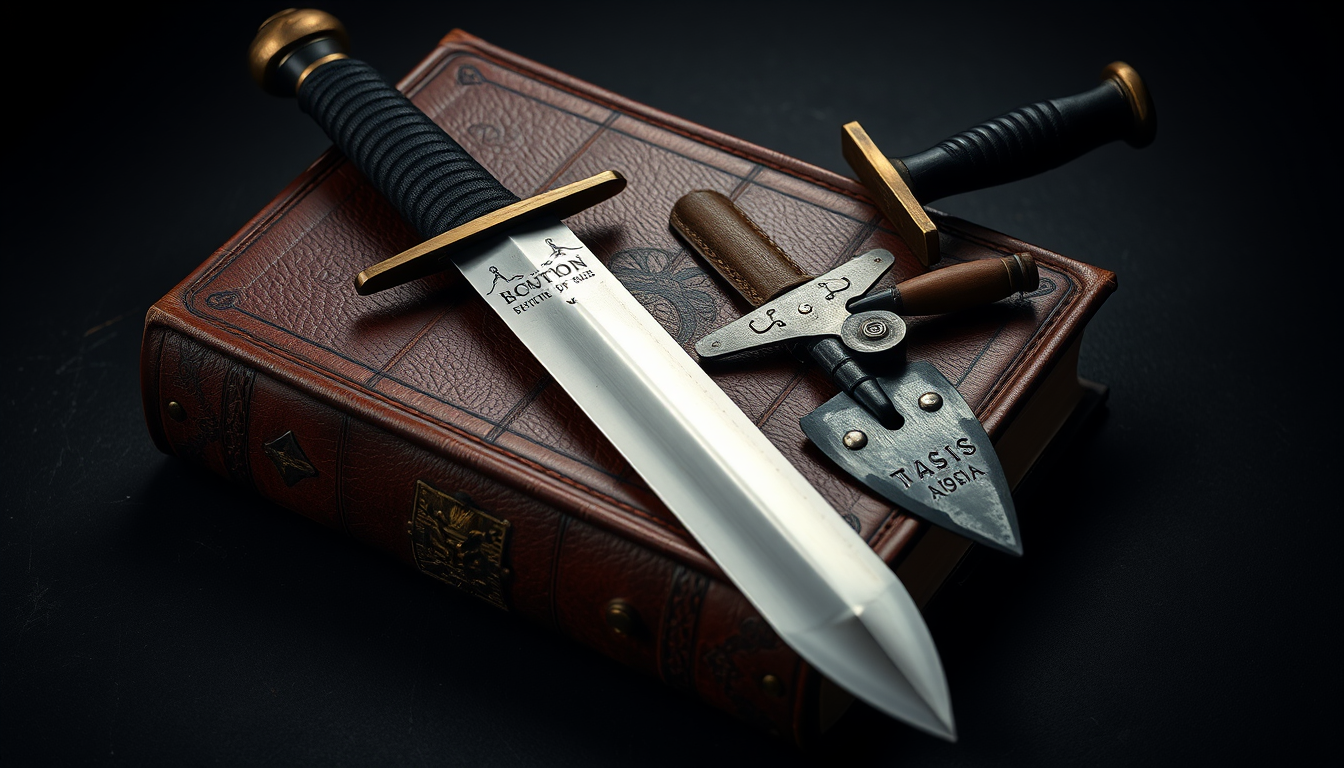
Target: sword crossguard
(431, 180)
(1013, 146)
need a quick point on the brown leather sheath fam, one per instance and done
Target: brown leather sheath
(728, 240)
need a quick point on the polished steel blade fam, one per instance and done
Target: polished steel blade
(807, 572)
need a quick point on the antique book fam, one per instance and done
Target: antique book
(413, 421)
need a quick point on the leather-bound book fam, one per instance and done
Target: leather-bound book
(413, 421)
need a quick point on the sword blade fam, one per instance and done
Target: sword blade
(812, 578)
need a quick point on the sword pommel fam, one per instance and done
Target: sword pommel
(291, 44)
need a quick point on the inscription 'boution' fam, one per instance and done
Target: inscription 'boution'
(559, 275)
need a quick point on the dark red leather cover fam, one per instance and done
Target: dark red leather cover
(421, 387)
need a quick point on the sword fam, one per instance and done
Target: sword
(811, 577)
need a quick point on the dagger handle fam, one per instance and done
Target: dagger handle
(1034, 138)
(429, 178)
(760, 270)
(954, 288)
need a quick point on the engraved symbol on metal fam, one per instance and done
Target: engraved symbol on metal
(289, 459)
(830, 292)
(875, 331)
(769, 315)
(940, 465)
(459, 544)
(498, 277)
(809, 319)
(556, 251)
(930, 401)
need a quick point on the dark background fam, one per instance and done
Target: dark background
(1180, 600)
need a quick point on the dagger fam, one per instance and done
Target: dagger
(898, 427)
(1021, 143)
(792, 556)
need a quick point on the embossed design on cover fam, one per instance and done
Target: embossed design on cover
(289, 459)
(681, 299)
(681, 619)
(753, 635)
(459, 544)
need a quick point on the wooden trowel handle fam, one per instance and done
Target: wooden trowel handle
(956, 287)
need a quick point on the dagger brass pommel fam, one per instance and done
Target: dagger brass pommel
(1013, 146)
(291, 44)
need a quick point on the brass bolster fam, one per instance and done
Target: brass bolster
(434, 254)
(890, 193)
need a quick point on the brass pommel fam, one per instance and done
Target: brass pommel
(1143, 126)
(282, 35)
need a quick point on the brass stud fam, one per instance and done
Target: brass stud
(930, 401)
(772, 686)
(622, 617)
(854, 439)
(176, 411)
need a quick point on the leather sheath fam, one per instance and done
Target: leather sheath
(735, 246)
(413, 423)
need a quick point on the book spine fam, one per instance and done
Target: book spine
(495, 542)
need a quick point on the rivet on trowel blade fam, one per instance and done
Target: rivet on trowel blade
(854, 439)
(804, 308)
(930, 401)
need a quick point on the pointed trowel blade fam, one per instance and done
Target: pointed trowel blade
(939, 465)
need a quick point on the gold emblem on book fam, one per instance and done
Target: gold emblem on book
(458, 544)
(289, 459)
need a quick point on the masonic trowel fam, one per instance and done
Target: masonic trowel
(898, 427)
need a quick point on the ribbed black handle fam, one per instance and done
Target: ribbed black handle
(1033, 138)
(427, 175)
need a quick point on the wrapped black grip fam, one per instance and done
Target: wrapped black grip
(1019, 144)
(427, 175)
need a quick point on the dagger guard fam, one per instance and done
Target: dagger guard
(1022, 143)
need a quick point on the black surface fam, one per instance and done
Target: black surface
(1180, 597)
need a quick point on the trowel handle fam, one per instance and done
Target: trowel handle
(955, 287)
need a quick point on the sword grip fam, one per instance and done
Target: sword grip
(428, 177)
(1034, 138)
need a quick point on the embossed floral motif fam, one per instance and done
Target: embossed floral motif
(678, 295)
